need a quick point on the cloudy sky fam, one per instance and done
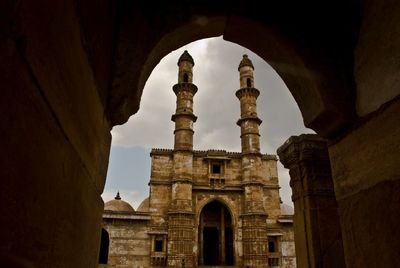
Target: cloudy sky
(216, 75)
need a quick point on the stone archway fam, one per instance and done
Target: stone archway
(215, 235)
(62, 93)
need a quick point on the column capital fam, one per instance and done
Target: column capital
(307, 158)
(301, 148)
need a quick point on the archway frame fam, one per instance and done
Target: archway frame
(320, 81)
(220, 200)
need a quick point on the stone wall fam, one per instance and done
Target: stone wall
(130, 244)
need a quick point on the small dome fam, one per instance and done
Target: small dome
(186, 57)
(117, 205)
(286, 210)
(245, 62)
(144, 206)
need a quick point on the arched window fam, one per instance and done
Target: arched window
(248, 82)
(185, 78)
(104, 244)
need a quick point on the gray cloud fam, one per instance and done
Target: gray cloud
(215, 104)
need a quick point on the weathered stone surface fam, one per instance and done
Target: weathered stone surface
(368, 155)
(130, 244)
(46, 190)
(85, 128)
(363, 244)
(377, 58)
(98, 24)
(365, 167)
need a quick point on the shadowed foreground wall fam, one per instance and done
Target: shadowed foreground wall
(55, 136)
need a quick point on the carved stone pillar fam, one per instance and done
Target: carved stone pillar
(316, 222)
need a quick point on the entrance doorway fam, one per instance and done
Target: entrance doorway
(215, 235)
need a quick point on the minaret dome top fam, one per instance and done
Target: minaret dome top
(245, 62)
(186, 57)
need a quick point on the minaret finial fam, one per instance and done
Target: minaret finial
(246, 69)
(245, 62)
(118, 197)
(186, 57)
(185, 63)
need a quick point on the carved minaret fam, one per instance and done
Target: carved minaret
(254, 218)
(180, 225)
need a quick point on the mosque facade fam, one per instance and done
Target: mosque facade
(205, 208)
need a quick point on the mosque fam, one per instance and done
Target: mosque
(205, 208)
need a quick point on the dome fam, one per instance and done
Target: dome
(286, 210)
(144, 206)
(117, 205)
(186, 57)
(245, 62)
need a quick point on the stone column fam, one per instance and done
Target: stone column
(316, 222)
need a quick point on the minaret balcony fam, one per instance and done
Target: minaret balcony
(189, 115)
(192, 88)
(249, 118)
(247, 91)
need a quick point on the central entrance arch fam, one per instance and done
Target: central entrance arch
(215, 235)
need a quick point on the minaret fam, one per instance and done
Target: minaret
(184, 91)
(253, 217)
(249, 120)
(180, 223)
